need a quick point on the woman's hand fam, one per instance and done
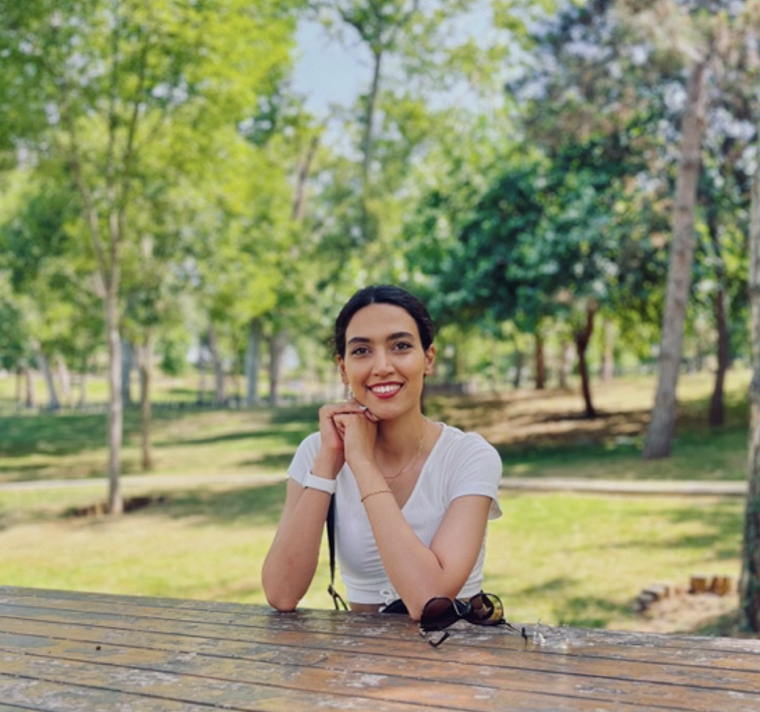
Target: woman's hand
(359, 431)
(334, 421)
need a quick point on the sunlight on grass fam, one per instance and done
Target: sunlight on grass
(558, 558)
(570, 559)
(581, 560)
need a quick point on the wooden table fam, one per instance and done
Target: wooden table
(63, 651)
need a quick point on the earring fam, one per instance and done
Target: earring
(349, 393)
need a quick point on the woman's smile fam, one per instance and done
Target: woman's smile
(385, 391)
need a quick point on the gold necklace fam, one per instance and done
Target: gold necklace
(414, 458)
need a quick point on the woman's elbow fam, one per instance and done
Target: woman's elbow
(282, 603)
(278, 596)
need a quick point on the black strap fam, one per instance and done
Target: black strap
(336, 597)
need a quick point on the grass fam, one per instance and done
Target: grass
(72, 445)
(558, 558)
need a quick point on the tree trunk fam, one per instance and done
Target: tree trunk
(662, 423)
(304, 169)
(64, 378)
(582, 338)
(608, 355)
(277, 343)
(19, 387)
(253, 363)
(519, 363)
(716, 415)
(368, 217)
(201, 372)
(565, 364)
(47, 373)
(83, 383)
(213, 345)
(115, 403)
(31, 391)
(127, 366)
(145, 362)
(540, 362)
(749, 586)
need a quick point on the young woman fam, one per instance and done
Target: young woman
(412, 497)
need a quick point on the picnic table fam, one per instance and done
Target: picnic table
(71, 651)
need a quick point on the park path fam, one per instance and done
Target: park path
(522, 484)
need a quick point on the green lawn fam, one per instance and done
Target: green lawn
(558, 558)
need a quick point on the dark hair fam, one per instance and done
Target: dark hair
(383, 294)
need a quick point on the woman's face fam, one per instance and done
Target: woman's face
(385, 363)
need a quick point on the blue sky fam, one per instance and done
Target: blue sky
(326, 72)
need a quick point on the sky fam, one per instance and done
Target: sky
(326, 72)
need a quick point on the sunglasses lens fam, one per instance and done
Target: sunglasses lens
(485, 609)
(438, 613)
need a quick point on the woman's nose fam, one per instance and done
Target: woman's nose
(382, 363)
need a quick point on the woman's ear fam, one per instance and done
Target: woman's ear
(342, 368)
(429, 360)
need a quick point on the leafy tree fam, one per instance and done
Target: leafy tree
(39, 245)
(104, 83)
(545, 243)
(749, 586)
(707, 42)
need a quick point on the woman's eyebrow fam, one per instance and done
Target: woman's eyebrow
(390, 337)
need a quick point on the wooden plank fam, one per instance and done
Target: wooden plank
(25, 694)
(86, 682)
(482, 647)
(294, 659)
(13, 708)
(275, 665)
(246, 615)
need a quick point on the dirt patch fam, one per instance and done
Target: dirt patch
(708, 605)
(131, 504)
(520, 419)
(705, 614)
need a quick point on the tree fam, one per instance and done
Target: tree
(549, 241)
(606, 61)
(749, 587)
(104, 82)
(662, 423)
(706, 41)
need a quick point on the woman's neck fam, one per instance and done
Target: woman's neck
(398, 438)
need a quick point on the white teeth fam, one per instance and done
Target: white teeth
(385, 389)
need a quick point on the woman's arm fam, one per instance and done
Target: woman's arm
(417, 572)
(292, 559)
(290, 565)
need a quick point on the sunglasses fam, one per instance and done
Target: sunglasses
(481, 609)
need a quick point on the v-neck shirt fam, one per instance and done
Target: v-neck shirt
(459, 464)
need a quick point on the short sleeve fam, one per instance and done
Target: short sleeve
(303, 460)
(478, 471)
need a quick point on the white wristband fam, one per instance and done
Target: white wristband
(320, 483)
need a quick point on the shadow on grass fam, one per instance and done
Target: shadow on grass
(50, 433)
(589, 612)
(586, 611)
(556, 585)
(272, 462)
(255, 506)
(291, 437)
(721, 522)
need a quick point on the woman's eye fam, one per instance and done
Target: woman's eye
(359, 351)
(402, 346)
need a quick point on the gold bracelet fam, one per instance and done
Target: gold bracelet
(374, 492)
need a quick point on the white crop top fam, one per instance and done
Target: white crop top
(459, 464)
